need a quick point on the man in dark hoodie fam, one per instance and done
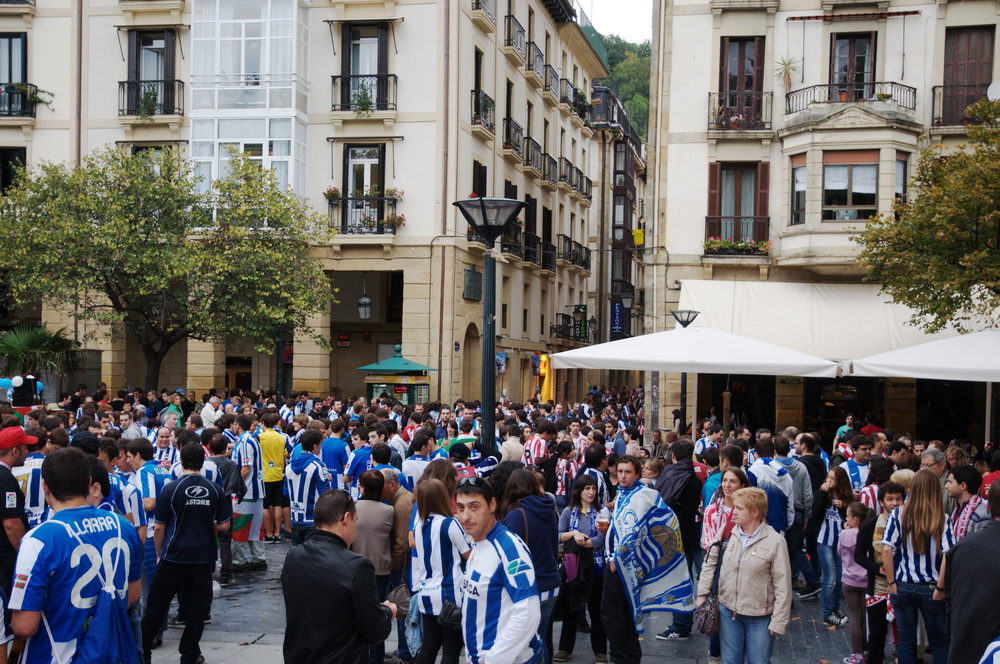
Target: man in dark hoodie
(680, 489)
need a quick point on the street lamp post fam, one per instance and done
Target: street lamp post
(489, 217)
(684, 317)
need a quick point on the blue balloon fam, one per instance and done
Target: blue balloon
(38, 386)
(5, 383)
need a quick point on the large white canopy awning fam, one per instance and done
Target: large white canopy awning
(974, 356)
(833, 321)
(695, 350)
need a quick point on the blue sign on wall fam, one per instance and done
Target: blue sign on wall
(617, 311)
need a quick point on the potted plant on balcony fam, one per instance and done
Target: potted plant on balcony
(723, 246)
(784, 67)
(762, 248)
(332, 194)
(392, 222)
(394, 193)
(736, 121)
(367, 223)
(373, 192)
(361, 102)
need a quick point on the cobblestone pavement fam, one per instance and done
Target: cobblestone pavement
(249, 623)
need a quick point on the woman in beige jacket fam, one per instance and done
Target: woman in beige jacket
(755, 583)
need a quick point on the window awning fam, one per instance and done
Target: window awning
(833, 321)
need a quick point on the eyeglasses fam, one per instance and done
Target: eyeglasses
(931, 465)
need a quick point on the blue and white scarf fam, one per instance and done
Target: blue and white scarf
(648, 554)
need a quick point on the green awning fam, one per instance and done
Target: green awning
(397, 364)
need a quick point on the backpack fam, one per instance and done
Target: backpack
(107, 632)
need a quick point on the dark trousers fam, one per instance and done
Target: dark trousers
(618, 622)
(225, 553)
(598, 637)
(878, 628)
(437, 637)
(301, 533)
(195, 602)
(796, 556)
(398, 578)
(376, 651)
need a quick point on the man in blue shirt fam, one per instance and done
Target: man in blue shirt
(189, 513)
(334, 452)
(360, 460)
(248, 512)
(62, 564)
(305, 481)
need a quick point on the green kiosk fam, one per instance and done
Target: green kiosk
(397, 377)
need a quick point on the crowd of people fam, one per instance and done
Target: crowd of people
(482, 542)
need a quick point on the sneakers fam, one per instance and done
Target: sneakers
(833, 620)
(268, 539)
(670, 635)
(840, 614)
(854, 659)
(259, 566)
(582, 626)
(227, 581)
(394, 658)
(601, 658)
(810, 591)
(561, 656)
(177, 621)
(714, 660)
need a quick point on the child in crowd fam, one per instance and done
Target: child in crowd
(854, 580)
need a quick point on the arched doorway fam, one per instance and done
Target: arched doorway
(472, 358)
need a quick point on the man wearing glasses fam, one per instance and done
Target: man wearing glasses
(501, 609)
(933, 459)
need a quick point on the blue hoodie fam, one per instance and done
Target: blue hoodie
(541, 534)
(777, 483)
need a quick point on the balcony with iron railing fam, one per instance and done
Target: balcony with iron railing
(532, 157)
(534, 68)
(513, 141)
(364, 94)
(548, 256)
(363, 215)
(515, 44)
(550, 87)
(148, 99)
(739, 111)
(737, 228)
(532, 248)
(951, 101)
(483, 113)
(18, 100)
(573, 253)
(586, 188)
(550, 171)
(896, 94)
(578, 181)
(511, 243)
(566, 328)
(567, 96)
(566, 174)
(484, 14)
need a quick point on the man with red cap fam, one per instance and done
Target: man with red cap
(13, 449)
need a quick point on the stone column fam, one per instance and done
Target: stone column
(206, 366)
(311, 362)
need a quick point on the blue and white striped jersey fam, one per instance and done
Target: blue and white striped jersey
(908, 565)
(830, 527)
(29, 476)
(209, 470)
(413, 468)
(150, 480)
(247, 453)
(132, 499)
(437, 565)
(166, 456)
(499, 586)
(306, 478)
(602, 487)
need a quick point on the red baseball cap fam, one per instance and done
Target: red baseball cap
(14, 436)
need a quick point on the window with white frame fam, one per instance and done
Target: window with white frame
(901, 162)
(798, 189)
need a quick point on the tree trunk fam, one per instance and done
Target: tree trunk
(154, 360)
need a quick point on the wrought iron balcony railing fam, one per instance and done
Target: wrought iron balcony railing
(488, 7)
(483, 111)
(536, 60)
(737, 228)
(513, 136)
(951, 101)
(514, 35)
(364, 93)
(901, 95)
(739, 110)
(149, 98)
(363, 215)
(533, 154)
(550, 168)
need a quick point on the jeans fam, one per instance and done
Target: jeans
(376, 651)
(561, 503)
(745, 638)
(911, 598)
(398, 578)
(683, 621)
(196, 579)
(437, 637)
(544, 624)
(618, 622)
(800, 562)
(830, 595)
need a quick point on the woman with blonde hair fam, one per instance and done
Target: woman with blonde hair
(904, 478)
(755, 582)
(917, 535)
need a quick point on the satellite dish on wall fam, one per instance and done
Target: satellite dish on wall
(993, 92)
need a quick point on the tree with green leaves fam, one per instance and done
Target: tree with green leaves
(139, 245)
(629, 65)
(939, 253)
(34, 349)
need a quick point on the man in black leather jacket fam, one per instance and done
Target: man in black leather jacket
(331, 606)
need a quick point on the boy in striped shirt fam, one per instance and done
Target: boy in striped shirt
(305, 481)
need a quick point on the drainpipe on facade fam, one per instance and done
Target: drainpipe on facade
(78, 147)
(445, 207)
(602, 231)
